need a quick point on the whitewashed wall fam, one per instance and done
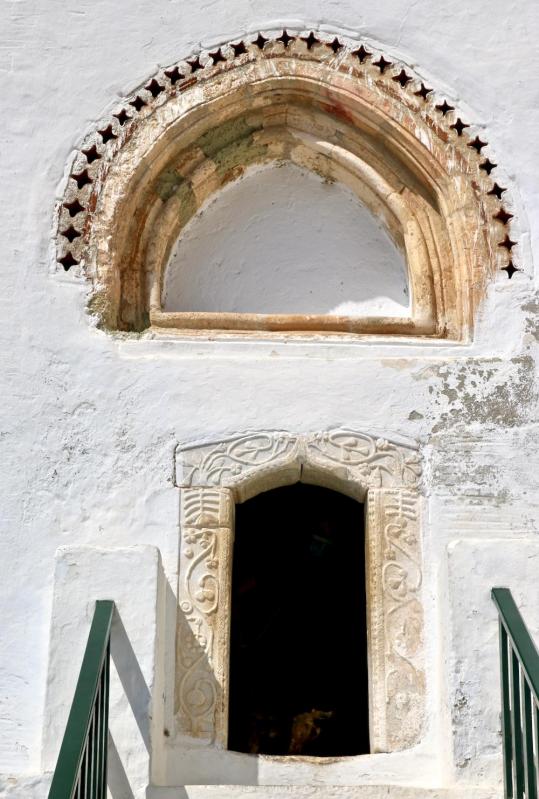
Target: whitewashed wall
(90, 421)
(305, 245)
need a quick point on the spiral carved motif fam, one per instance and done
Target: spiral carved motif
(388, 475)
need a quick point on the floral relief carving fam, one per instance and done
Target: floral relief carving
(375, 460)
(222, 464)
(387, 474)
(395, 549)
(199, 600)
(204, 554)
(202, 507)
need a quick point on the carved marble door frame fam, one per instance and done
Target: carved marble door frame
(384, 475)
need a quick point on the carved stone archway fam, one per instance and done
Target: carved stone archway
(346, 113)
(383, 474)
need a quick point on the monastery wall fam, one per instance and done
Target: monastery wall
(92, 421)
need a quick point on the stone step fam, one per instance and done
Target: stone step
(322, 792)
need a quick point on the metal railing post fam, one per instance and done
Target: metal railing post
(519, 672)
(81, 769)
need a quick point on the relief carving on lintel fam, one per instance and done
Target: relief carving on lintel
(387, 475)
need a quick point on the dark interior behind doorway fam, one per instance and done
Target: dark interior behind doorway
(298, 668)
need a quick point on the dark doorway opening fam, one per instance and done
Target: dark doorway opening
(298, 659)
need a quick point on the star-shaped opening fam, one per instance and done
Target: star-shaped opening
(82, 179)
(423, 92)
(510, 269)
(68, 261)
(444, 108)
(362, 54)
(239, 49)
(402, 78)
(477, 144)
(382, 64)
(459, 126)
(71, 233)
(487, 166)
(503, 216)
(335, 45)
(217, 56)
(195, 64)
(122, 117)
(107, 134)
(91, 154)
(285, 38)
(154, 87)
(174, 75)
(74, 207)
(260, 41)
(310, 40)
(137, 103)
(507, 243)
(497, 191)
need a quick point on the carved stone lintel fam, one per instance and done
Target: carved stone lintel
(387, 474)
(368, 460)
(373, 462)
(226, 463)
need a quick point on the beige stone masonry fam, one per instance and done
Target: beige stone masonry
(380, 473)
(329, 108)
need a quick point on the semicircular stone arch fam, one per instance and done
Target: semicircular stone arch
(386, 476)
(341, 111)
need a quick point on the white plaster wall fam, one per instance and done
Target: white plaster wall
(132, 578)
(90, 421)
(283, 240)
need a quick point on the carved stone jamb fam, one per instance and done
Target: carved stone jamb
(395, 619)
(383, 474)
(207, 518)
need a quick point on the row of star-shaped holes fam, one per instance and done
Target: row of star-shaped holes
(155, 88)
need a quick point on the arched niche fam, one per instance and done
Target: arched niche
(345, 114)
(382, 474)
(282, 240)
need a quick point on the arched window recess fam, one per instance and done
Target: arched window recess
(344, 112)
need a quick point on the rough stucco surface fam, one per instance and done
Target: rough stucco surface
(90, 421)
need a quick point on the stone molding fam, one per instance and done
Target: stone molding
(383, 474)
(348, 114)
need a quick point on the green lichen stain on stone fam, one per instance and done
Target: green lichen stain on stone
(232, 145)
(168, 184)
(214, 140)
(99, 307)
(240, 154)
(187, 201)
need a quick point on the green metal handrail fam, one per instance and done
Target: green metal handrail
(519, 666)
(81, 769)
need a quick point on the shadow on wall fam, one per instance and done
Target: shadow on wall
(283, 240)
(198, 699)
(118, 781)
(138, 696)
(122, 768)
(131, 677)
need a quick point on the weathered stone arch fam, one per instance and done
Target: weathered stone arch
(386, 477)
(343, 113)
